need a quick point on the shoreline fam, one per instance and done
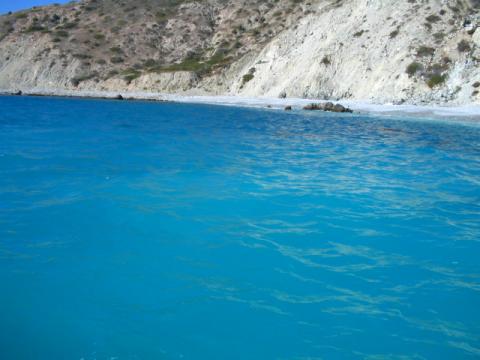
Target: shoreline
(469, 113)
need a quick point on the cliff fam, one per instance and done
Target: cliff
(412, 51)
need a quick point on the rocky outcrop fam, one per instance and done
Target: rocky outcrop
(382, 51)
(328, 106)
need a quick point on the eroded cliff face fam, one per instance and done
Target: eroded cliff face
(385, 51)
(414, 51)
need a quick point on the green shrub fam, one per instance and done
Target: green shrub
(433, 18)
(423, 51)
(149, 63)
(34, 28)
(435, 79)
(439, 36)
(69, 25)
(247, 77)
(463, 46)
(116, 50)
(61, 33)
(81, 56)
(413, 68)
(359, 33)
(116, 60)
(161, 16)
(194, 63)
(394, 34)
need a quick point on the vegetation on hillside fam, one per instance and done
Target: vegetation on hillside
(112, 38)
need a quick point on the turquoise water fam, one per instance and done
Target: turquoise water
(136, 230)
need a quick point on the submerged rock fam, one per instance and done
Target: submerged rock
(328, 106)
(119, 97)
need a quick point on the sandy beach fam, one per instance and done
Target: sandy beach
(463, 113)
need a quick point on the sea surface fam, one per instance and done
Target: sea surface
(141, 230)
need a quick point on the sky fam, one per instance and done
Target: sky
(15, 5)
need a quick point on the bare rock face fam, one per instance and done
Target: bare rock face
(381, 51)
(476, 37)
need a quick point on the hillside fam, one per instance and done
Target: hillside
(414, 51)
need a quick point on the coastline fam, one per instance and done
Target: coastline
(469, 113)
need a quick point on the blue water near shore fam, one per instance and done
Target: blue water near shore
(137, 230)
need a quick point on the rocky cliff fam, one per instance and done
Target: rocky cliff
(412, 51)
